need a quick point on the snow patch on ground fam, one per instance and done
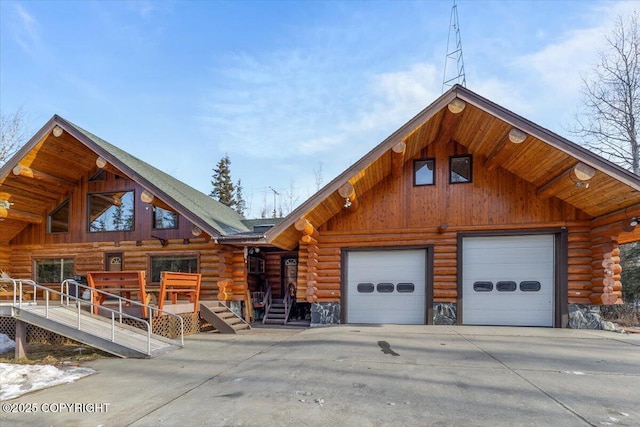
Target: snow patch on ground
(6, 343)
(16, 380)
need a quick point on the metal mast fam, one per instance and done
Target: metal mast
(454, 54)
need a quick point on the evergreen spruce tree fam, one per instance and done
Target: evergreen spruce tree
(223, 189)
(241, 205)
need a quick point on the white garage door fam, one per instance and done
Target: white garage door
(508, 280)
(386, 286)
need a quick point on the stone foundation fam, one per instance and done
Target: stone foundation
(445, 313)
(325, 313)
(584, 316)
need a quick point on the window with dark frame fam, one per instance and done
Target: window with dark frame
(112, 211)
(164, 219)
(53, 270)
(183, 264)
(460, 169)
(424, 172)
(58, 219)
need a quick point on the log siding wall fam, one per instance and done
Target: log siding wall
(91, 257)
(396, 213)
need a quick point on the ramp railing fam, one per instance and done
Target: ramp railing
(67, 299)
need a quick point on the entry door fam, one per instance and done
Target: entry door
(114, 262)
(289, 274)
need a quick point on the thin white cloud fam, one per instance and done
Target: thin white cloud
(559, 64)
(26, 31)
(395, 97)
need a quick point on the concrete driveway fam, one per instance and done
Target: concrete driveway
(355, 375)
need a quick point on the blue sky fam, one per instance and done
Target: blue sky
(285, 88)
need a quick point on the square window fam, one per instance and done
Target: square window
(424, 172)
(460, 169)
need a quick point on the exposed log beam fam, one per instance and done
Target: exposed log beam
(619, 215)
(449, 122)
(552, 187)
(309, 240)
(21, 216)
(20, 170)
(148, 197)
(306, 228)
(397, 158)
(348, 193)
(613, 229)
(506, 148)
(102, 163)
(577, 175)
(35, 191)
(456, 106)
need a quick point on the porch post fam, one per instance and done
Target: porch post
(21, 339)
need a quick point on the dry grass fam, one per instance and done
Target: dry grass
(623, 315)
(54, 354)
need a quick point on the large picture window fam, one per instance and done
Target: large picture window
(164, 219)
(58, 220)
(53, 270)
(183, 264)
(111, 211)
(424, 172)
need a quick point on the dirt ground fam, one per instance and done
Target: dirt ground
(54, 354)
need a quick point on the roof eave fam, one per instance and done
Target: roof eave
(115, 161)
(571, 148)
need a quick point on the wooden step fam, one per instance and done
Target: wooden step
(222, 318)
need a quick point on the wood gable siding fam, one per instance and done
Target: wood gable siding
(88, 249)
(396, 213)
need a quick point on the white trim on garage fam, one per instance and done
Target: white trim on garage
(508, 280)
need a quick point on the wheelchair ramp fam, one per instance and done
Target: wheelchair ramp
(96, 331)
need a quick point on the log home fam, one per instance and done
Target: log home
(71, 203)
(467, 214)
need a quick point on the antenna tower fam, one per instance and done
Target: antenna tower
(454, 54)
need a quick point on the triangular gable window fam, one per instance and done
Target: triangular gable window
(58, 220)
(101, 175)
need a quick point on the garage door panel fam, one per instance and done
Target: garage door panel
(390, 268)
(501, 259)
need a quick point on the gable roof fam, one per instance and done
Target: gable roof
(544, 159)
(70, 156)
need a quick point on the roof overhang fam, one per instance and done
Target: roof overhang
(483, 127)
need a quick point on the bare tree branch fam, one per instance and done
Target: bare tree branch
(607, 122)
(13, 133)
